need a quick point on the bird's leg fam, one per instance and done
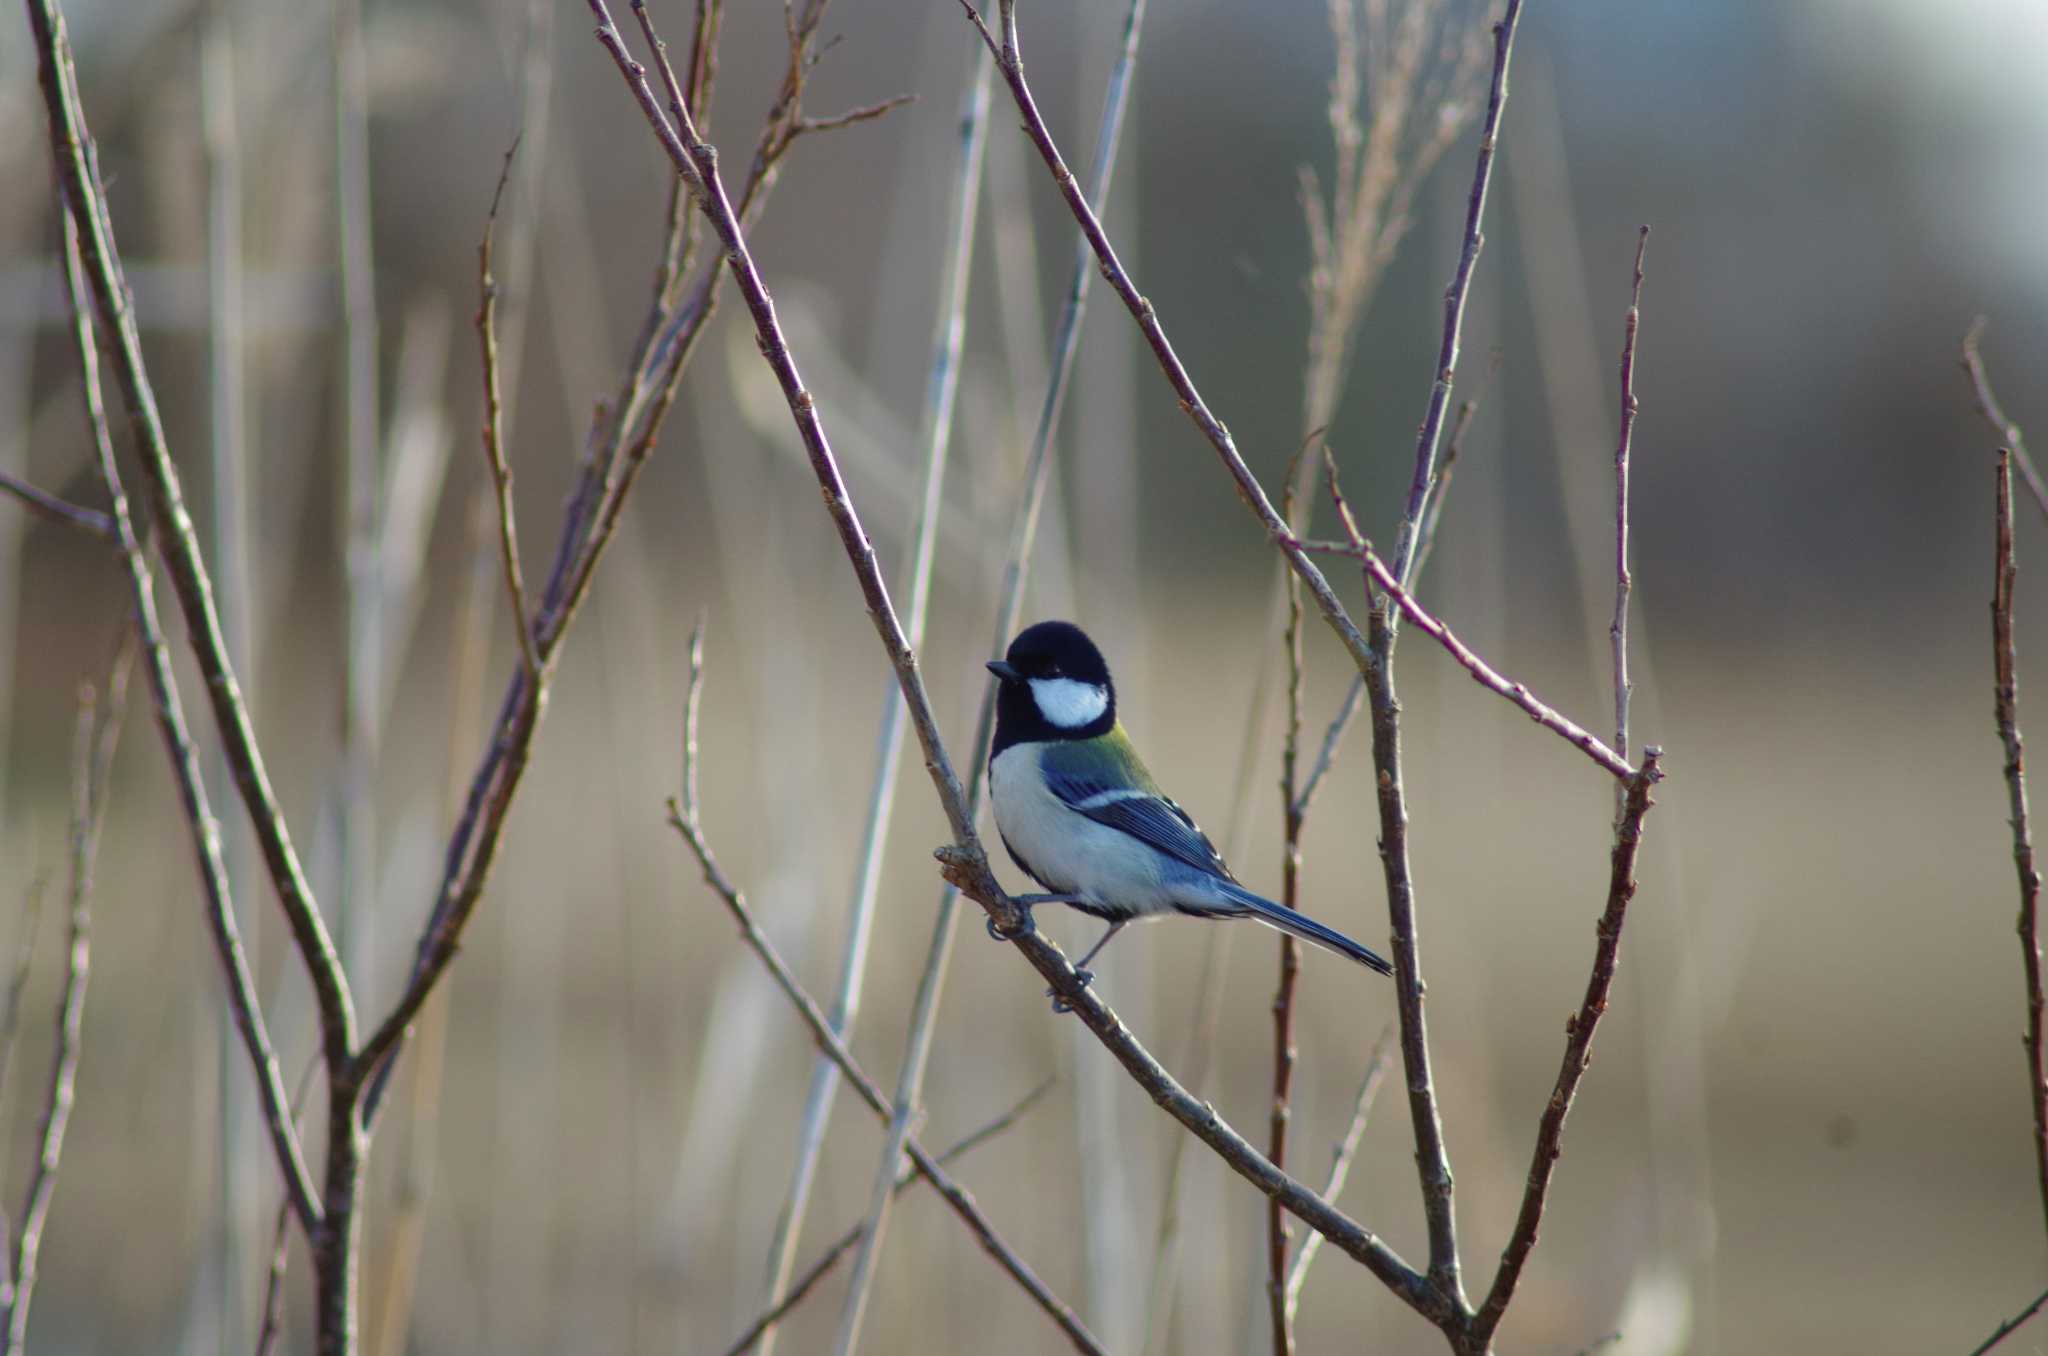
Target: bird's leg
(1027, 903)
(1081, 966)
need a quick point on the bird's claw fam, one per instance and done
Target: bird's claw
(1023, 927)
(1061, 1005)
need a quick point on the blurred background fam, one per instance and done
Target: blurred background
(1806, 1125)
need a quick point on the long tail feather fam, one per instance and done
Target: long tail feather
(1306, 928)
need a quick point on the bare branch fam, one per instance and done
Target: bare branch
(2005, 663)
(865, 113)
(91, 765)
(1454, 297)
(1994, 414)
(1483, 673)
(1578, 1049)
(184, 759)
(494, 435)
(2010, 1326)
(77, 172)
(1618, 629)
(90, 521)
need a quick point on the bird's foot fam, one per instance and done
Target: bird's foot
(1061, 1005)
(1024, 909)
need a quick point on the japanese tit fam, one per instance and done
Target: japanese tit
(1081, 815)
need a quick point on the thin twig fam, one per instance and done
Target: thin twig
(1994, 414)
(1277, 1232)
(1454, 296)
(170, 716)
(2010, 1326)
(90, 521)
(493, 434)
(272, 1329)
(91, 767)
(1483, 673)
(1617, 630)
(1578, 1048)
(17, 980)
(2005, 665)
(865, 113)
(941, 389)
(622, 436)
(798, 1289)
(1341, 1160)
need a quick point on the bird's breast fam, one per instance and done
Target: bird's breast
(1068, 852)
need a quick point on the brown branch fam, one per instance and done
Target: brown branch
(2005, 664)
(1483, 673)
(1291, 817)
(2010, 1326)
(91, 766)
(845, 1243)
(494, 436)
(1454, 296)
(865, 113)
(89, 521)
(1579, 1028)
(72, 147)
(170, 717)
(622, 437)
(1994, 414)
(1617, 630)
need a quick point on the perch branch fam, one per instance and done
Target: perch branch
(966, 862)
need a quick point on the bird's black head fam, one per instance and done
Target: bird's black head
(1054, 685)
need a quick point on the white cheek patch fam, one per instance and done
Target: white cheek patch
(1068, 702)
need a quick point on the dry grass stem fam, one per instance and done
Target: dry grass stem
(2002, 427)
(1341, 1159)
(941, 391)
(801, 1286)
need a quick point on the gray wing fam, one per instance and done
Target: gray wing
(1150, 818)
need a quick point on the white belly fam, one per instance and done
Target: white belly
(1068, 852)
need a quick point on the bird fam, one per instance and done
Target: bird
(1081, 816)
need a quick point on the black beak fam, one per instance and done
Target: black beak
(1005, 671)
